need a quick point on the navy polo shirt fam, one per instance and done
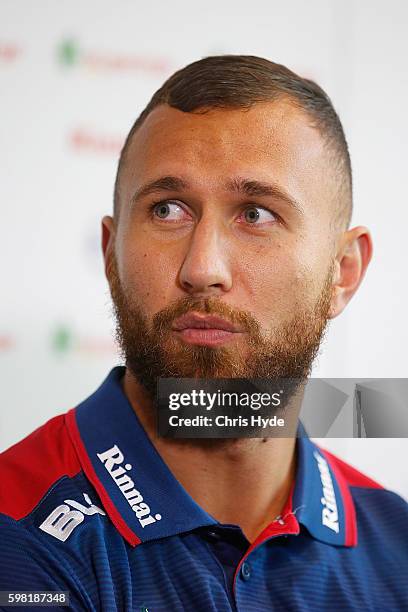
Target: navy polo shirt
(88, 506)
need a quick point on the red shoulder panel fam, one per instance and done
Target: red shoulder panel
(353, 477)
(30, 467)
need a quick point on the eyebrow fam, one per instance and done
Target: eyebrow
(239, 185)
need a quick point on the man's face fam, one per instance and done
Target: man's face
(214, 239)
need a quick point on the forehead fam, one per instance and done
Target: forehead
(272, 141)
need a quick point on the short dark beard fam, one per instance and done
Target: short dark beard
(152, 351)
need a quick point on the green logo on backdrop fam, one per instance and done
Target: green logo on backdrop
(62, 339)
(68, 52)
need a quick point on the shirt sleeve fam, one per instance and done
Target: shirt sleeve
(27, 565)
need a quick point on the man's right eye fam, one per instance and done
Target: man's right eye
(168, 209)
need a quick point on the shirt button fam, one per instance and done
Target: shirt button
(245, 571)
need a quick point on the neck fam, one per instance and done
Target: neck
(244, 481)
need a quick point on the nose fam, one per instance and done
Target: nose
(206, 270)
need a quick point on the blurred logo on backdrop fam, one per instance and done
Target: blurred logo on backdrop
(63, 339)
(7, 342)
(71, 53)
(66, 340)
(88, 140)
(9, 52)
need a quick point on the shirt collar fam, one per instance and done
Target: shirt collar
(322, 500)
(146, 502)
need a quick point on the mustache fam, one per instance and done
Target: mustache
(163, 319)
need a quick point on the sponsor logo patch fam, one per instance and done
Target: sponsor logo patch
(330, 516)
(115, 464)
(63, 520)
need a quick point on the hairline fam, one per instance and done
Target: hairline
(342, 214)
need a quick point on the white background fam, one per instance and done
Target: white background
(62, 123)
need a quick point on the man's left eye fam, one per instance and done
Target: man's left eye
(253, 214)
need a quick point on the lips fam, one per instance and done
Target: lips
(202, 321)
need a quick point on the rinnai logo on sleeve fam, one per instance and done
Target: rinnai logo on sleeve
(330, 516)
(62, 521)
(113, 459)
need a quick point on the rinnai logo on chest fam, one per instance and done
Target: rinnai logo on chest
(330, 515)
(113, 459)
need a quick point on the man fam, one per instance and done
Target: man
(228, 252)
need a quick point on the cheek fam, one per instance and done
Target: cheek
(148, 277)
(275, 281)
(267, 271)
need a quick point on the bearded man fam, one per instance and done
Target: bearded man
(229, 250)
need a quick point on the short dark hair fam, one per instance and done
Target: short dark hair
(240, 81)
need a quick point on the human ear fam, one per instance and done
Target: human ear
(353, 256)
